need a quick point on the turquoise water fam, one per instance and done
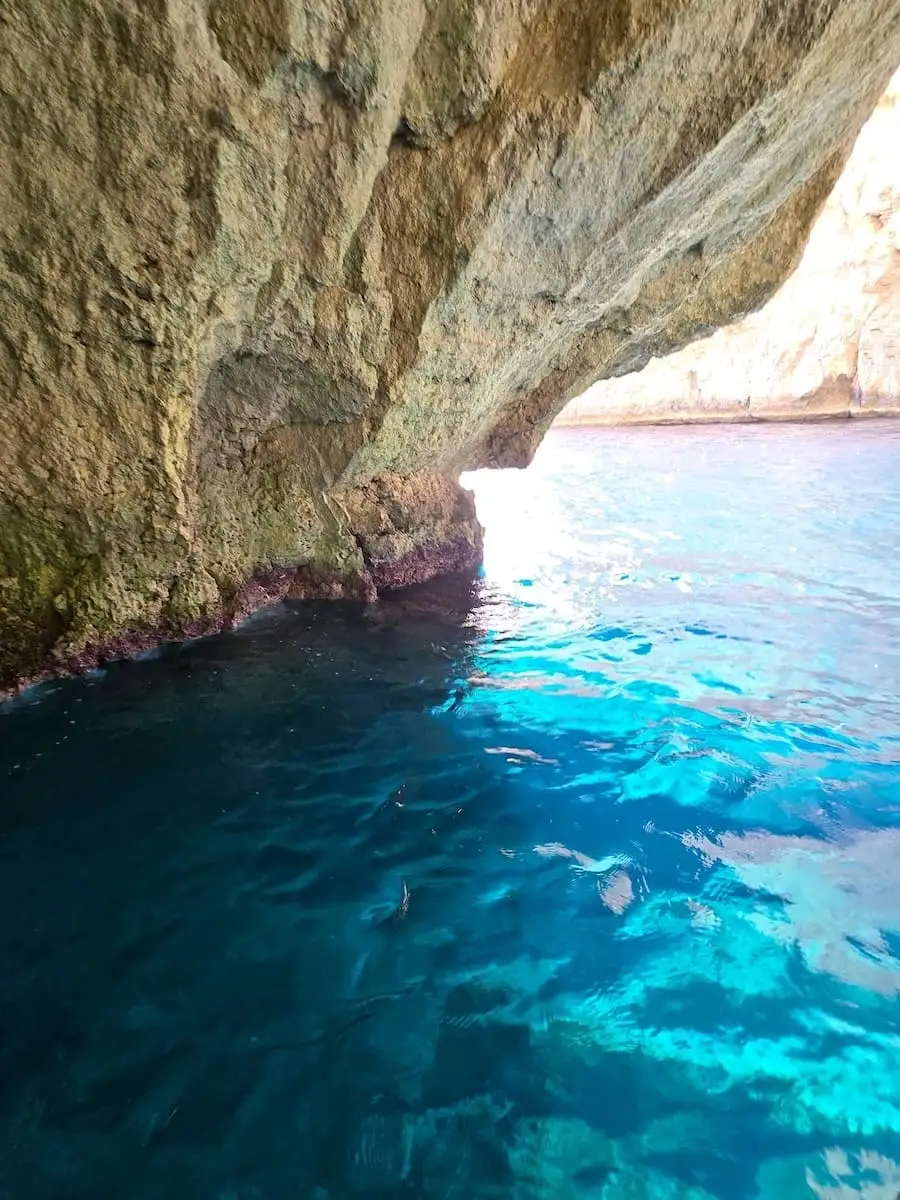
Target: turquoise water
(579, 882)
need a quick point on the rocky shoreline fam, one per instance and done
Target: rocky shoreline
(789, 412)
(272, 275)
(377, 579)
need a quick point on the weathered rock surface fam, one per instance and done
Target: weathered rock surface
(828, 342)
(273, 272)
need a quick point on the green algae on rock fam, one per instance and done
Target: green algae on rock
(273, 273)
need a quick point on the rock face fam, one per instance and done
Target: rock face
(273, 272)
(826, 345)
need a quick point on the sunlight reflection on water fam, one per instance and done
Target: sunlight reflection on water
(580, 883)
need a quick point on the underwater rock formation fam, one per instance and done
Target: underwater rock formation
(274, 272)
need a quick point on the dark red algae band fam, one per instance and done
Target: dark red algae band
(427, 561)
(264, 588)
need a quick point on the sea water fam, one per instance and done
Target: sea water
(578, 881)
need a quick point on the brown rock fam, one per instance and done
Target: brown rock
(269, 267)
(826, 345)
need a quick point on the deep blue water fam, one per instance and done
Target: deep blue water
(580, 883)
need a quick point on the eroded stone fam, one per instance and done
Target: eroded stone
(269, 267)
(827, 343)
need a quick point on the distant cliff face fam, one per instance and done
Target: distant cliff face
(828, 342)
(272, 272)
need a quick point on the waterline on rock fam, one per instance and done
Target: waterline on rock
(577, 881)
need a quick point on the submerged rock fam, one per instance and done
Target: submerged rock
(273, 272)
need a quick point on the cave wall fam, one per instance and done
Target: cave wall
(272, 273)
(828, 342)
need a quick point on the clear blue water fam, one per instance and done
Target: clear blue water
(583, 882)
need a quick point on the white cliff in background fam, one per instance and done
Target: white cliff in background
(827, 344)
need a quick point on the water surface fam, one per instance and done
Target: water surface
(580, 883)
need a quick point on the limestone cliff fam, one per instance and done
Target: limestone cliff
(828, 342)
(273, 272)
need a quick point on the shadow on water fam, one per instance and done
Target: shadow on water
(575, 884)
(171, 838)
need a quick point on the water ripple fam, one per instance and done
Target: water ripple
(578, 884)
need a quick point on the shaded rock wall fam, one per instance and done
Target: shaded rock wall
(273, 272)
(826, 345)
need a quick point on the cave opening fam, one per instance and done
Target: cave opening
(345, 855)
